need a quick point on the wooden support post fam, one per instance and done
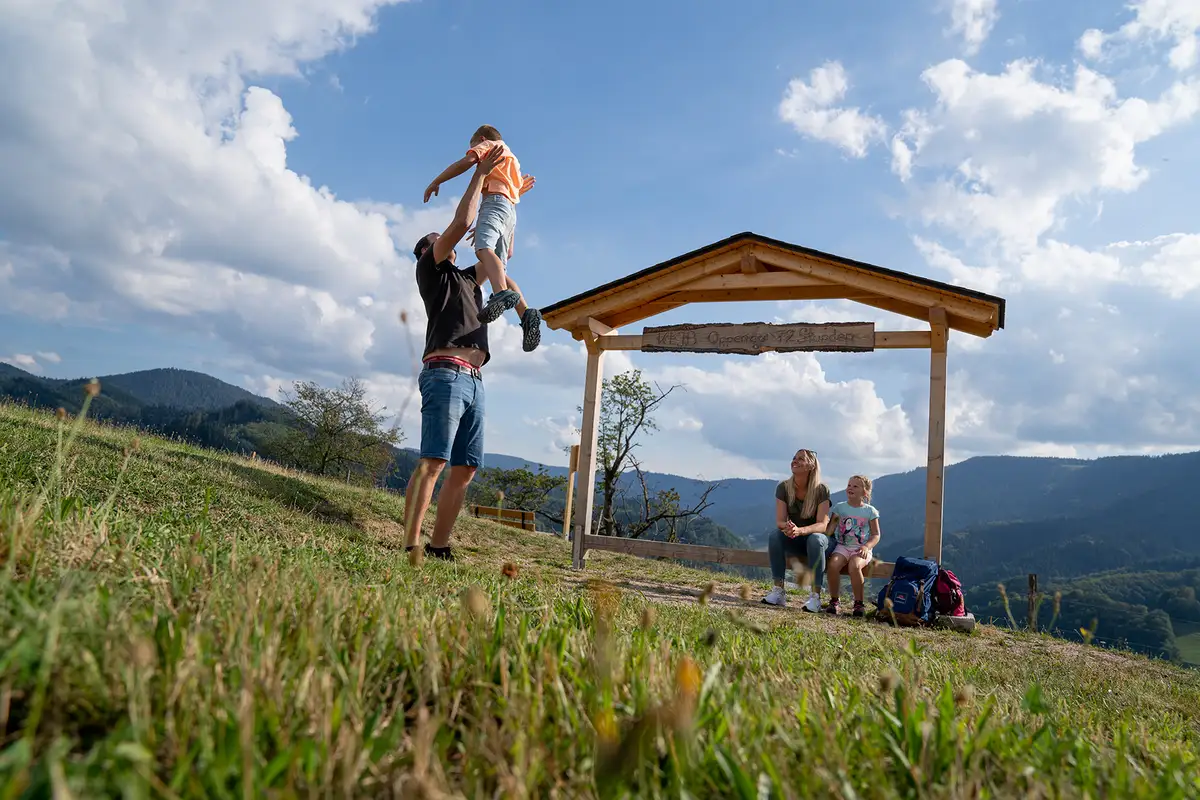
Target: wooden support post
(936, 462)
(1033, 593)
(572, 468)
(587, 450)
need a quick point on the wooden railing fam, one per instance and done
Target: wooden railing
(512, 517)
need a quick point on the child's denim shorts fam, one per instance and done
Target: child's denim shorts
(495, 225)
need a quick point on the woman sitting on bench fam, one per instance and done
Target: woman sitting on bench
(801, 514)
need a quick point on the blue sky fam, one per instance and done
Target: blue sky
(148, 218)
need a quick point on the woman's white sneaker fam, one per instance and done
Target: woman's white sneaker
(776, 597)
(813, 603)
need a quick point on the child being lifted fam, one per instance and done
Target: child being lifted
(495, 227)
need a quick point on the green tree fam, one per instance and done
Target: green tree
(336, 431)
(627, 407)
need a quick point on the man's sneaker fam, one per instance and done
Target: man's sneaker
(776, 597)
(813, 603)
(438, 552)
(497, 304)
(531, 329)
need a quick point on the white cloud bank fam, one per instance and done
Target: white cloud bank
(1001, 171)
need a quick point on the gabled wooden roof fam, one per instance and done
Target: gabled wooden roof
(748, 266)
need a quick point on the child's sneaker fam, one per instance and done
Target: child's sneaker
(776, 597)
(497, 304)
(860, 608)
(531, 329)
(832, 608)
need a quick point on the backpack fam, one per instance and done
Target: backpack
(911, 592)
(948, 598)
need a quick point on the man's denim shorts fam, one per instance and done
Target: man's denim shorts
(451, 416)
(495, 225)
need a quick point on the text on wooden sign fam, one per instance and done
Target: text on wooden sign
(758, 337)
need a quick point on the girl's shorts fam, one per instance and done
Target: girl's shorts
(847, 552)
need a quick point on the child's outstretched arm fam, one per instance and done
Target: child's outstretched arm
(473, 156)
(450, 173)
(527, 182)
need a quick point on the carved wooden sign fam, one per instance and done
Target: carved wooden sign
(751, 338)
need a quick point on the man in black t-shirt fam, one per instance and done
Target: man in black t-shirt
(451, 383)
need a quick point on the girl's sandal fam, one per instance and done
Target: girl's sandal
(860, 608)
(832, 608)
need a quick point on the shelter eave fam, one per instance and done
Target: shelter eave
(754, 267)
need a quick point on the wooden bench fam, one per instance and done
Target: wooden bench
(512, 517)
(694, 552)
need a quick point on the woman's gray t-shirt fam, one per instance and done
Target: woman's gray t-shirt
(796, 508)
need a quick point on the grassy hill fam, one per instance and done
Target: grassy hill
(178, 622)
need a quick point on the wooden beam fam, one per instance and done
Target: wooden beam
(827, 291)
(902, 340)
(761, 280)
(904, 309)
(884, 340)
(572, 468)
(750, 264)
(637, 314)
(631, 297)
(936, 462)
(587, 452)
(646, 548)
(599, 328)
(897, 289)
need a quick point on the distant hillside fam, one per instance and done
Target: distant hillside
(180, 389)
(183, 389)
(240, 425)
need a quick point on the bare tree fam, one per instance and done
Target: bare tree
(662, 512)
(628, 403)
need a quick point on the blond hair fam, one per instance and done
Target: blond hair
(866, 482)
(810, 491)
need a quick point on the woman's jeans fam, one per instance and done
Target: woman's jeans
(813, 547)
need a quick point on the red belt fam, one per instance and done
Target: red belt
(450, 362)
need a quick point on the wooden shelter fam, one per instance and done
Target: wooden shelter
(752, 267)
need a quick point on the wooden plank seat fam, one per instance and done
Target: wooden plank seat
(512, 517)
(696, 552)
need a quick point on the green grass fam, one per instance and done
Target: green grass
(181, 623)
(1187, 638)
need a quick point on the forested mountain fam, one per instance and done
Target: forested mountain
(180, 389)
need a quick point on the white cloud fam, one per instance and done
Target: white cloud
(972, 20)
(22, 360)
(748, 408)
(811, 109)
(1174, 21)
(1001, 154)
(144, 179)
(52, 357)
